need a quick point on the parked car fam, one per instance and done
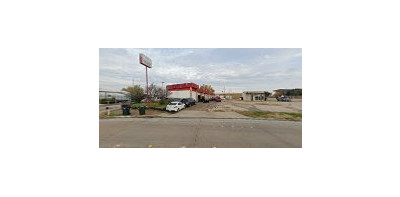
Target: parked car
(217, 99)
(192, 101)
(283, 99)
(175, 106)
(185, 102)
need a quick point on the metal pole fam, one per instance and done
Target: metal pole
(162, 87)
(147, 87)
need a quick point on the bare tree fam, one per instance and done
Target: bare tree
(156, 91)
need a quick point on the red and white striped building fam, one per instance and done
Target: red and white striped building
(188, 90)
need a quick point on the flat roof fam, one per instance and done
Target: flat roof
(255, 92)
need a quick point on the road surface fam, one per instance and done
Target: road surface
(199, 133)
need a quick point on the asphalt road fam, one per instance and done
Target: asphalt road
(199, 133)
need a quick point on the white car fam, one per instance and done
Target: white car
(175, 106)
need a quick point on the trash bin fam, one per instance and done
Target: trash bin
(126, 110)
(142, 110)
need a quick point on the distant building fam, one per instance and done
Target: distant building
(255, 95)
(229, 96)
(116, 96)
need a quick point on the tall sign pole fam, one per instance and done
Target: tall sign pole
(146, 61)
(147, 88)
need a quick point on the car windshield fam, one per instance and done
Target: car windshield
(173, 103)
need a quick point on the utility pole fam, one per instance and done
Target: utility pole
(162, 86)
(224, 90)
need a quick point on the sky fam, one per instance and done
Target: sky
(233, 69)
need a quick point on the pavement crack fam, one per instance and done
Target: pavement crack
(196, 134)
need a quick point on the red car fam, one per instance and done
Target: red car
(217, 99)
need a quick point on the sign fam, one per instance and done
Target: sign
(144, 60)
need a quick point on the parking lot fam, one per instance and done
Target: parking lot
(237, 105)
(270, 104)
(203, 106)
(230, 108)
(224, 109)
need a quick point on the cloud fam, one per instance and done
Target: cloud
(236, 69)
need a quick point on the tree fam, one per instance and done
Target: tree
(207, 88)
(156, 91)
(136, 92)
(278, 94)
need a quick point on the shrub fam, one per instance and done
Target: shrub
(163, 101)
(107, 100)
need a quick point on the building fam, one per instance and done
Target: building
(115, 96)
(255, 95)
(188, 90)
(230, 96)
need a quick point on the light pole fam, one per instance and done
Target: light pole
(162, 85)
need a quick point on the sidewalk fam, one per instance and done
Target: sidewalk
(202, 114)
(191, 115)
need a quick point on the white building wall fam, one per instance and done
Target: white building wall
(183, 94)
(246, 97)
(249, 97)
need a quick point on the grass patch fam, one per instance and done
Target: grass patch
(272, 115)
(149, 105)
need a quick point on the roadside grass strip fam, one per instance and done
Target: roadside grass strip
(272, 115)
(150, 105)
(113, 114)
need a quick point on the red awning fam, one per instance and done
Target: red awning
(183, 86)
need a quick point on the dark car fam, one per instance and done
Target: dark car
(185, 101)
(191, 101)
(218, 99)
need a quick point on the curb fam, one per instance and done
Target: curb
(199, 118)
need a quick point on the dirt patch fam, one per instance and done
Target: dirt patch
(267, 106)
(273, 104)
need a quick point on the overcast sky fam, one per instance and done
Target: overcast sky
(239, 69)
